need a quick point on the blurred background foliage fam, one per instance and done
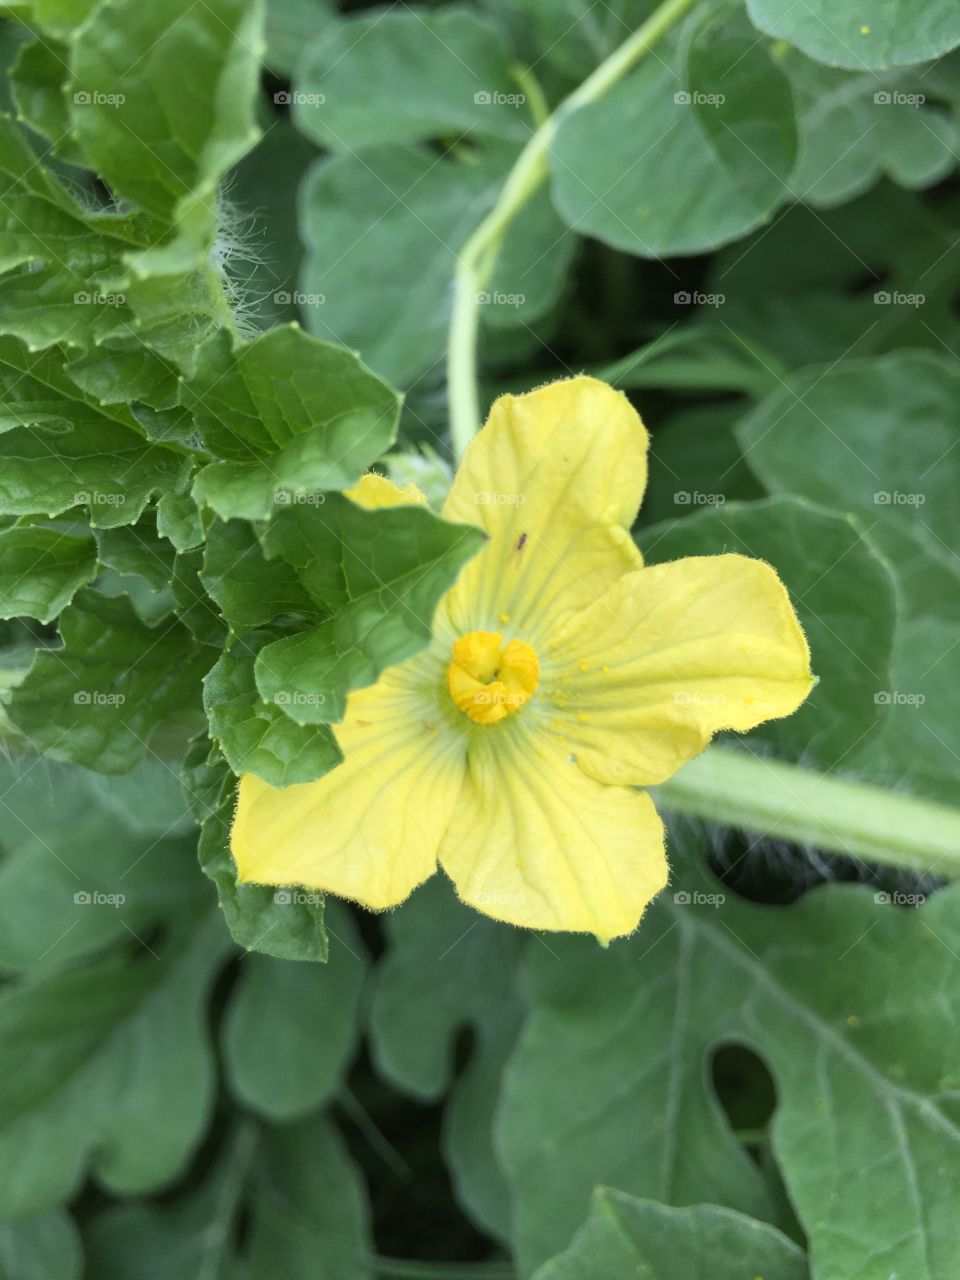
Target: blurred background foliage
(754, 234)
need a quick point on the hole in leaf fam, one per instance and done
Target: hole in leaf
(746, 1091)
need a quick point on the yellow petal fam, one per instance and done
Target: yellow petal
(368, 830)
(537, 843)
(555, 478)
(373, 490)
(670, 655)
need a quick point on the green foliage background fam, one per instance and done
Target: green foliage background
(228, 244)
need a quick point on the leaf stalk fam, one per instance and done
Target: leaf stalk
(834, 814)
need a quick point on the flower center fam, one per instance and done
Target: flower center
(489, 679)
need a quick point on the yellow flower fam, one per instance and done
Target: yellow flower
(562, 675)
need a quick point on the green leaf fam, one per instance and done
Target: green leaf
(42, 570)
(153, 608)
(41, 212)
(13, 36)
(179, 521)
(148, 800)
(252, 400)
(84, 304)
(76, 874)
(194, 607)
(848, 437)
(38, 82)
(112, 473)
(174, 314)
(426, 75)
(257, 736)
(860, 38)
(135, 550)
(856, 128)
(832, 993)
(288, 415)
(894, 473)
(79, 289)
(249, 589)
(829, 266)
(697, 357)
(290, 1030)
(42, 1248)
(379, 575)
(121, 370)
(576, 35)
(694, 453)
(58, 18)
(309, 1215)
(743, 103)
(259, 917)
(614, 162)
(36, 390)
(626, 1236)
(162, 104)
(844, 594)
(93, 1065)
(191, 1239)
(530, 273)
(362, 241)
(98, 700)
(425, 994)
(292, 25)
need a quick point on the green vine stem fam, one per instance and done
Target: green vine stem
(833, 814)
(478, 257)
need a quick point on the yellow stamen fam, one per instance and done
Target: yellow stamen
(488, 679)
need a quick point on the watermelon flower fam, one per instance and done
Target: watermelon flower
(562, 676)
